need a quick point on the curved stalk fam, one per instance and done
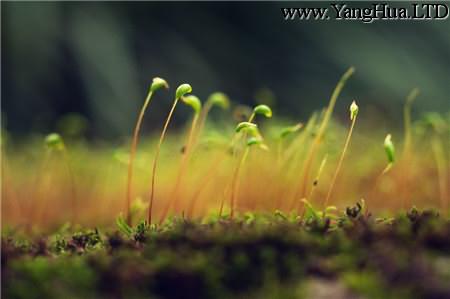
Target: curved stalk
(248, 126)
(184, 162)
(179, 93)
(133, 155)
(234, 179)
(155, 161)
(215, 99)
(202, 119)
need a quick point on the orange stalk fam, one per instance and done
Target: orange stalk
(155, 161)
(133, 149)
(341, 159)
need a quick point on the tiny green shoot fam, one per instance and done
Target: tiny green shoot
(124, 227)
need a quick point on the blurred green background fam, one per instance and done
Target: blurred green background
(98, 59)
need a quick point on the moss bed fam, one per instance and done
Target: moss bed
(255, 256)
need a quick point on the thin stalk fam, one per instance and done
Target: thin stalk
(73, 202)
(291, 161)
(315, 184)
(293, 167)
(406, 157)
(155, 161)
(184, 162)
(235, 182)
(202, 119)
(235, 178)
(292, 151)
(438, 153)
(341, 159)
(133, 149)
(315, 146)
(407, 120)
(378, 180)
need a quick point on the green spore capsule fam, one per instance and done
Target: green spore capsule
(158, 83)
(263, 110)
(54, 141)
(182, 90)
(246, 126)
(389, 149)
(219, 99)
(353, 110)
(193, 101)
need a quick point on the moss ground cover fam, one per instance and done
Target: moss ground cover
(255, 256)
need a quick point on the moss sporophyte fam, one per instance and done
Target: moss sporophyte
(157, 83)
(180, 92)
(248, 128)
(353, 114)
(195, 103)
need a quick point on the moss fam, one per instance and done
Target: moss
(267, 258)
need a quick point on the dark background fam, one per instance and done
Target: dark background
(97, 59)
